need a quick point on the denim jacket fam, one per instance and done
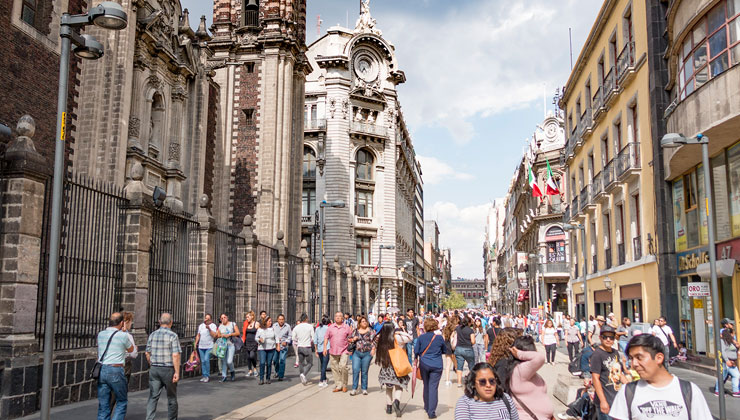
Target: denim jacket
(318, 338)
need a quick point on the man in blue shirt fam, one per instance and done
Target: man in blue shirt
(112, 378)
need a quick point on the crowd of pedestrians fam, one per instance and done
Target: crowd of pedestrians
(498, 352)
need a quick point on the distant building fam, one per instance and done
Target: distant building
(473, 290)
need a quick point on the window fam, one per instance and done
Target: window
(28, 12)
(721, 196)
(309, 202)
(364, 165)
(690, 209)
(364, 206)
(309, 162)
(249, 116)
(733, 164)
(604, 151)
(250, 67)
(617, 137)
(711, 47)
(363, 250)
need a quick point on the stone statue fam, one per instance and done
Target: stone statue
(366, 23)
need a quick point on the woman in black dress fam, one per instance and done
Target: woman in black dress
(250, 343)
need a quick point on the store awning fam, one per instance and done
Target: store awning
(725, 268)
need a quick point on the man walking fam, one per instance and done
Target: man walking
(412, 327)
(658, 395)
(665, 334)
(282, 336)
(594, 331)
(303, 336)
(573, 338)
(163, 354)
(112, 348)
(337, 336)
(606, 371)
(204, 343)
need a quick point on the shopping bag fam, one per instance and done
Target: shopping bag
(400, 360)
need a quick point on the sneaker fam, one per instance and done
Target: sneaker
(303, 379)
(280, 379)
(397, 407)
(353, 392)
(206, 379)
(295, 365)
(269, 382)
(448, 383)
(262, 382)
(364, 392)
(716, 392)
(202, 380)
(736, 394)
(223, 379)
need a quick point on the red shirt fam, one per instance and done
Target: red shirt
(338, 337)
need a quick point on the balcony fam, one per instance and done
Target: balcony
(368, 129)
(560, 267)
(626, 64)
(608, 259)
(628, 162)
(574, 208)
(609, 178)
(584, 197)
(587, 123)
(621, 254)
(316, 124)
(569, 152)
(363, 220)
(596, 188)
(598, 104)
(611, 86)
(566, 214)
(306, 220)
(636, 248)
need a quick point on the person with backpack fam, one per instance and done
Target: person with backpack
(607, 371)
(665, 334)
(658, 395)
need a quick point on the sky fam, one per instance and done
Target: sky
(479, 75)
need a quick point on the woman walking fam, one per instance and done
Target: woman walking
(227, 330)
(450, 362)
(729, 354)
(524, 384)
(387, 339)
(484, 398)
(363, 338)
(319, 344)
(550, 340)
(429, 349)
(267, 347)
(573, 338)
(465, 338)
(479, 348)
(249, 329)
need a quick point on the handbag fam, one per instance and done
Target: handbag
(237, 342)
(193, 362)
(399, 360)
(219, 348)
(453, 340)
(416, 362)
(95, 373)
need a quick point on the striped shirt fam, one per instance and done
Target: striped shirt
(161, 344)
(470, 409)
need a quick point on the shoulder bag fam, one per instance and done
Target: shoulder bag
(399, 360)
(416, 362)
(95, 373)
(453, 340)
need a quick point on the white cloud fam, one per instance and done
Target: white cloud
(462, 230)
(435, 171)
(483, 57)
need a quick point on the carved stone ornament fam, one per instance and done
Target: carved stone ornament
(390, 117)
(366, 23)
(179, 94)
(154, 81)
(134, 127)
(174, 152)
(345, 108)
(332, 107)
(248, 38)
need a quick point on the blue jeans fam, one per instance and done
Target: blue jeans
(734, 373)
(464, 354)
(431, 378)
(205, 362)
(410, 350)
(112, 380)
(267, 357)
(323, 365)
(280, 358)
(227, 363)
(360, 365)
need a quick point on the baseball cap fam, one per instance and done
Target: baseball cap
(725, 321)
(607, 329)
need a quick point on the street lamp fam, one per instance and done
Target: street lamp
(672, 140)
(380, 257)
(107, 15)
(582, 228)
(407, 264)
(322, 205)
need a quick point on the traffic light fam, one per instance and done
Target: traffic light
(553, 294)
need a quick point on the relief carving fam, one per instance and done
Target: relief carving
(134, 127)
(174, 152)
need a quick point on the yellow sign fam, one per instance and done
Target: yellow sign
(64, 123)
(698, 303)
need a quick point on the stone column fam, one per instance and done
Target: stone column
(338, 287)
(22, 189)
(135, 284)
(282, 275)
(205, 262)
(350, 280)
(249, 285)
(305, 269)
(242, 292)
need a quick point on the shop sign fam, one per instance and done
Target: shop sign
(689, 260)
(698, 289)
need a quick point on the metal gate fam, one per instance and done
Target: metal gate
(172, 272)
(267, 298)
(224, 280)
(331, 279)
(90, 262)
(343, 290)
(353, 288)
(363, 303)
(295, 287)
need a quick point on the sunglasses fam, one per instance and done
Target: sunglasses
(607, 337)
(490, 381)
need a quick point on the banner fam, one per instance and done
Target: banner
(522, 269)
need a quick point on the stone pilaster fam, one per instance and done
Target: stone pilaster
(206, 257)
(242, 293)
(337, 288)
(323, 307)
(305, 278)
(282, 274)
(22, 189)
(249, 291)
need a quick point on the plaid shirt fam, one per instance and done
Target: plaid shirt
(161, 344)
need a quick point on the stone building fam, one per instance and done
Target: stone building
(259, 59)
(357, 149)
(473, 290)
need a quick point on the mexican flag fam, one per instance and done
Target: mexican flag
(551, 187)
(533, 184)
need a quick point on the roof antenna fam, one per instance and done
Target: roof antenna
(570, 41)
(318, 25)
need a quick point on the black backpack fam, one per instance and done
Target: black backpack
(686, 392)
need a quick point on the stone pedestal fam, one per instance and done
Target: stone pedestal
(305, 278)
(248, 285)
(282, 281)
(566, 388)
(206, 257)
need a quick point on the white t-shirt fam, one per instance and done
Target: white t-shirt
(663, 333)
(548, 336)
(206, 341)
(653, 403)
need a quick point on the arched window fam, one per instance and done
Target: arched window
(156, 125)
(364, 165)
(555, 231)
(309, 162)
(364, 189)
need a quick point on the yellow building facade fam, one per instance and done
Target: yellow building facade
(609, 156)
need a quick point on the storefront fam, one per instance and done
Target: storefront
(580, 306)
(728, 279)
(696, 315)
(603, 303)
(630, 301)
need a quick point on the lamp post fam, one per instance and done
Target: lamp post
(406, 265)
(322, 205)
(672, 140)
(380, 257)
(582, 228)
(107, 15)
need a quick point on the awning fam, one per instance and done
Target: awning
(725, 268)
(523, 295)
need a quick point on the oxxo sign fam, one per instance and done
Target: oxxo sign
(688, 261)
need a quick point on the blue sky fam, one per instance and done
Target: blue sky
(477, 71)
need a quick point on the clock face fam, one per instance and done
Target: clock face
(366, 69)
(551, 131)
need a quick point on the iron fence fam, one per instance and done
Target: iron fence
(90, 262)
(331, 285)
(343, 290)
(267, 298)
(224, 273)
(353, 289)
(173, 257)
(295, 287)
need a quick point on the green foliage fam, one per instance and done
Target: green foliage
(454, 300)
